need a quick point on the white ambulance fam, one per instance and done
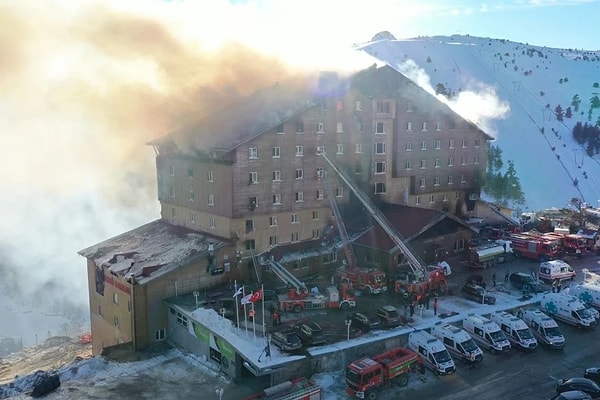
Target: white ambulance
(486, 332)
(457, 341)
(567, 308)
(556, 269)
(433, 353)
(515, 329)
(544, 328)
(589, 293)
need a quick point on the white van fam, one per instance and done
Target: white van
(587, 292)
(457, 341)
(556, 269)
(544, 328)
(486, 332)
(567, 308)
(433, 353)
(515, 330)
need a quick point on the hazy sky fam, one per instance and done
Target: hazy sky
(85, 84)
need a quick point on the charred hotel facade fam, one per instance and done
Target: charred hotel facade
(248, 180)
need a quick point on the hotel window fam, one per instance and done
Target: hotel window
(277, 176)
(320, 173)
(451, 143)
(159, 335)
(315, 214)
(192, 196)
(315, 233)
(450, 180)
(273, 221)
(192, 217)
(438, 126)
(450, 161)
(212, 223)
(436, 181)
(252, 202)
(299, 126)
(172, 170)
(431, 199)
(409, 107)
(464, 143)
(171, 191)
(320, 194)
(418, 200)
(294, 219)
(279, 130)
(250, 244)
(380, 148)
(116, 320)
(276, 199)
(409, 126)
(249, 225)
(409, 146)
(423, 144)
(276, 152)
(253, 177)
(360, 126)
(475, 159)
(299, 151)
(339, 192)
(115, 298)
(358, 105)
(210, 176)
(358, 148)
(211, 199)
(422, 182)
(383, 107)
(340, 148)
(182, 319)
(463, 179)
(320, 127)
(190, 173)
(408, 164)
(272, 240)
(299, 197)
(423, 163)
(459, 245)
(463, 160)
(424, 126)
(299, 173)
(380, 128)
(295, 236)
(380, 167)
(253, 153)
(437, 163)
(339, 127)
(379, 187)
(476, 143)
(438, 144)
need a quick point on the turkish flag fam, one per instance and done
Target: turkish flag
(256, 296)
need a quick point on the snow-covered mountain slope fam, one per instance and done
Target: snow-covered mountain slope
(511, 91)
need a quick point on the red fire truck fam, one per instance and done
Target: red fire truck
(535, 248)
(296, 389)
(572, 244)
(334, 298)
(370, 280)
(367, 376)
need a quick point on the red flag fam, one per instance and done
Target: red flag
(256, 296)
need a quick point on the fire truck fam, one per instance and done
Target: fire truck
(298, 301)
(367, 376)
(422, 278)
(489, 254)
(535, 248)
(296, 389)
(572, 244)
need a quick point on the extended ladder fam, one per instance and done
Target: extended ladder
(286, 276)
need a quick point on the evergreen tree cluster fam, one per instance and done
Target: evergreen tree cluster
(589, 136)
(502, 183)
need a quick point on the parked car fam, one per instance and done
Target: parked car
(572, 395)
(583, 384)
(592, 310)
(520, 279)
(365, 321)
(389, 316)
(311, 333)
(286, 339)
(477, 293)
(592, 373)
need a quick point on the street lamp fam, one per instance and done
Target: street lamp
(220, 393)
(348, 322)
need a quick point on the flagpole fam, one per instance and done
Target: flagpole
(262, 288)
(253, 324)
(245, 315)
(237, 310)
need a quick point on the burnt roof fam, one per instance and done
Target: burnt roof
(151, 250)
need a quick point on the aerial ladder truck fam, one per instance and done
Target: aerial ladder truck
(422, 279)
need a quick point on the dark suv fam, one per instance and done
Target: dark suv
(389, 315)
(366, 321)
(520, 279)
(477, 293)
(286, 340)
(310, 333)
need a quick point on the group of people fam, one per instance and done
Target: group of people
(275, 315)
(411, 300)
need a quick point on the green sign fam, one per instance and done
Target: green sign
(201, 332)
(225, 348)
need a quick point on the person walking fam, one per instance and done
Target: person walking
(506, 276)
(435, 306)
(412, 308)
(471, 360)
(275, 317)
(494, 279)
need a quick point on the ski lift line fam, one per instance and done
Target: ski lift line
(417, 266)
(286, 276)
(350, 256)
(256, 263)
